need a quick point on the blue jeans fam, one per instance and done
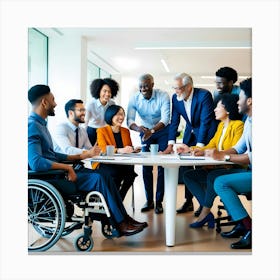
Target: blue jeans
(160, 138)
(228, 187)
(201, 183)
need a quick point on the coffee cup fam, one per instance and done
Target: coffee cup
(110, 149)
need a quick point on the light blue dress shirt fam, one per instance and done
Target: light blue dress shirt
(151, 111)
(245, 142)
(64, 139)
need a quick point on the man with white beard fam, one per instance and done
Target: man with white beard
(196, 106)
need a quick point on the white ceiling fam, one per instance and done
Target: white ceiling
(208, 50)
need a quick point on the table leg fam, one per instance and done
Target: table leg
(170, 193)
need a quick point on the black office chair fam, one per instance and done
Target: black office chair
(227, 218)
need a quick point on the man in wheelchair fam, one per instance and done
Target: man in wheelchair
(42, 157)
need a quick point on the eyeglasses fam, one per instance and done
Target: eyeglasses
(179, 88)
(81, 110)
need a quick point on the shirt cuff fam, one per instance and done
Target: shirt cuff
(171, 142)
(200, 145)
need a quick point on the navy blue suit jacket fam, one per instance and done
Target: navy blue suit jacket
(203, 123)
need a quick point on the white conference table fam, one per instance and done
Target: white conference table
(171, 164)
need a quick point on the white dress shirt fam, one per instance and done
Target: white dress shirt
(95, 112)
(64, 139)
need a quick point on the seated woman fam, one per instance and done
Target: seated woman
(227, 135)
(118, 136)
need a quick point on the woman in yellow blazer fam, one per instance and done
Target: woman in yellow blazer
(118, 136)
(227, 135)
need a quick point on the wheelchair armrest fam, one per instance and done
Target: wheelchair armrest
(43, 174)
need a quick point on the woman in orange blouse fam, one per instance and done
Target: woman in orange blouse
(227, 135)
(118, 136)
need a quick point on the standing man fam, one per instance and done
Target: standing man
(226, 77)
(153, 108)
(42, 157)
(71, 138)
(196, 106)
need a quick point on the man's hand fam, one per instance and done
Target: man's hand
(94, 151)
(147, 134)
(182, 148)
(197, 152)
(215, 154)
(72, 176)
(168, 150)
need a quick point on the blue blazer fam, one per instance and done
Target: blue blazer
(203, 122)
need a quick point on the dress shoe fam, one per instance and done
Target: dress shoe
(244, 243)
(147, 206)
(135, 223)
(127, 229)
(158, 209)
(237, 231)
(209, 219)
(198, 211)
(186, 207)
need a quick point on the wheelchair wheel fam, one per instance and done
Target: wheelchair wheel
(46, 215)
(83, 243)
(107, 230)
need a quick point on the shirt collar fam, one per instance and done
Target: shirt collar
(72, 126)
(100, 105)
(38, 118)
(190, 97)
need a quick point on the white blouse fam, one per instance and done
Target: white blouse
(95, 112)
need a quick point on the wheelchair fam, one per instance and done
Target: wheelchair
(50, 213)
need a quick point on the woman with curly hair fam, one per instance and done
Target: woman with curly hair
(102, 91)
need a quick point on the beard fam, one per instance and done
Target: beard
(51, 112)
(181, 97)
(78, 119)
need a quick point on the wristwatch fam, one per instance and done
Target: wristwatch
(153, 131)
(227, 157)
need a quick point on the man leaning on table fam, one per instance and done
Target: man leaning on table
(196, 106)
(153, 108)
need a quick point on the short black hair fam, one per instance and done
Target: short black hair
(230, 103)
(97, 84)
(246, 86)
(70, 105)
(111, 112)
(36, 92)
(228, 73)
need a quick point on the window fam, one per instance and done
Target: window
(37, 58)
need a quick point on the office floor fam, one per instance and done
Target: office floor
(152, 239)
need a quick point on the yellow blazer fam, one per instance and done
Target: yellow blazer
(105, 137)
(232, 135)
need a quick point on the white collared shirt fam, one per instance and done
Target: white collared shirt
(188, 106)
(95, 112)
(64, 139)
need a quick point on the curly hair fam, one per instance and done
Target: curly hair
(228, 73)
(97, 84)
(246, 86)
(230, 103)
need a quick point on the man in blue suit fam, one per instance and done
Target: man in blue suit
(196, 106)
